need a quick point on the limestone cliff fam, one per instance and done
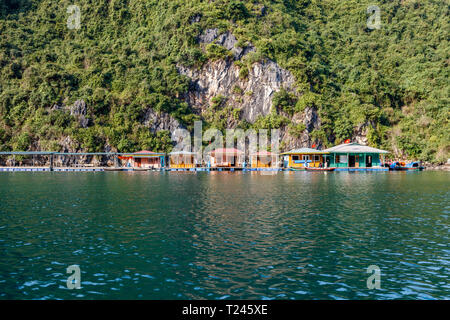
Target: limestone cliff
(252, 95)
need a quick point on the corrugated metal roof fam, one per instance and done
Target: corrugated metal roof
(142, 154)
(354, 148)
(182, 153)
(227, 151)
(305, 151)
(263, 153)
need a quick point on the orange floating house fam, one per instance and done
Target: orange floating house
(264, 159)
(226, 157)
(143, 159)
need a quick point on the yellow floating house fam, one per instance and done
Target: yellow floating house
(264, 159)
(304, 157)
(182, 160)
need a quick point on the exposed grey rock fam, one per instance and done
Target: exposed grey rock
(360, 133)
(107, 147)
(263, 11)
(160, 121)
(255, 93)
(220, 77)
(196, 18)
(79, 110)
(247, 49)
(311, 119)
(68, 145)
(57, 107)
(227, 40)
(208, 36)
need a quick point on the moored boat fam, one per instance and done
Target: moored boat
(402, 166)
(320, 169)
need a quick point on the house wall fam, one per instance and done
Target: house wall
(184, 162)
(257, 162)
(226, 161)
(300, 163)
(359, 163)
(154, 162)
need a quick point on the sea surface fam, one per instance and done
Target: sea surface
(218, 235)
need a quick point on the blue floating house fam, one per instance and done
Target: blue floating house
(354, 156)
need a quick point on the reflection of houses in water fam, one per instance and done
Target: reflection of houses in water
(240, 219)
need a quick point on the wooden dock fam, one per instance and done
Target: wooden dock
(198, 169)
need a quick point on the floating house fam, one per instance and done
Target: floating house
(144, 159)
(182, 160)
(263, 159)
(226, 157)
(304, 157)
(354, 156)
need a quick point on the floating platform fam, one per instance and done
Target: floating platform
(200, 169)
(47, 169)
(363, 169)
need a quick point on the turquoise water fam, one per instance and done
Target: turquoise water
(293, 235)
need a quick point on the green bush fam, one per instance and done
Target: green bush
(216, 52)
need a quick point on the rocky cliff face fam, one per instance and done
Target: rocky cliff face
(252, 94)
(160, 121)
(310, 119)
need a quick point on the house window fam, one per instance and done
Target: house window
(305, 158)
(342, 159)
(295, 158)
(316, 158)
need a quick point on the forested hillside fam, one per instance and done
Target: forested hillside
(91, 88)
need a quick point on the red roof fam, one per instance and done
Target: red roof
(144, 151)
(226, 151)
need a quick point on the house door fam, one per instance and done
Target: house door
(368, 161)
(137, 161)
(351, 161)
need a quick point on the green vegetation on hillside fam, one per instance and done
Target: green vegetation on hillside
(123, 60)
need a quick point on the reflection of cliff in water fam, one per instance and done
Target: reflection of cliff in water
(240, 239)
